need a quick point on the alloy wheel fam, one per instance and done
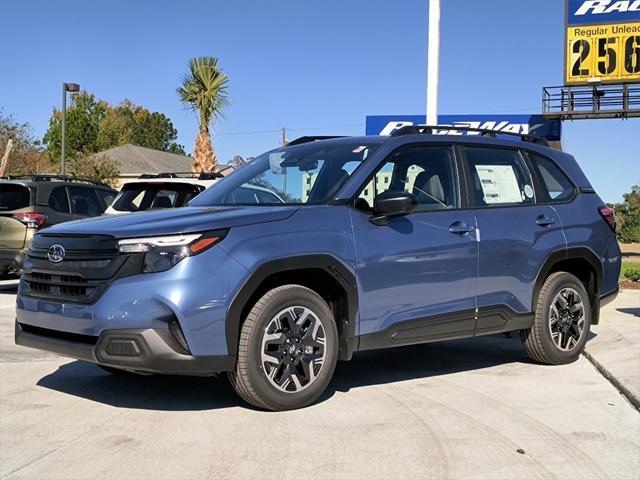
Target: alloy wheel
(566, 319)
(293, 349)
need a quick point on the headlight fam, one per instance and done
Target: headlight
(162, 253)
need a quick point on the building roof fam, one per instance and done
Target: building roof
(134, 160)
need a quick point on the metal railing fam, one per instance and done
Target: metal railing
(597, 101)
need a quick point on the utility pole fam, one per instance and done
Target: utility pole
(66, 87)
(433, 62)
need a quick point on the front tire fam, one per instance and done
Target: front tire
(287, 351)
(562, 321)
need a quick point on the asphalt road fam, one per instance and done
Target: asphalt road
(464, 409)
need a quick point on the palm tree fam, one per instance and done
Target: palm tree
(204, 90)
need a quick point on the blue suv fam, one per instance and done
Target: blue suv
(374, 242)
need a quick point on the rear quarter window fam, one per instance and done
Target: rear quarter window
(14, 197)
(557, 185)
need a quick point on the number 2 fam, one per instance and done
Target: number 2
(581, 47)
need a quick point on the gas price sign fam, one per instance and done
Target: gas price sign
(602, 42)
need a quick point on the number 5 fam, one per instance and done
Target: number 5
(604, 51)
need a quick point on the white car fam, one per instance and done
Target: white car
(173, 191)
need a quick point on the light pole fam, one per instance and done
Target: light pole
(66, 87)
(433, 62)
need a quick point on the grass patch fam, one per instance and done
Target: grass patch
(630, 271)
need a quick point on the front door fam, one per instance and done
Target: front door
(417, 274)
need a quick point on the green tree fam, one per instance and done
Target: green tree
(628, 216)
(93, 126)
(96, 168)
(83, 123)
(129, 123)
(204, 90)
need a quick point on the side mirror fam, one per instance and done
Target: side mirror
(392, 204)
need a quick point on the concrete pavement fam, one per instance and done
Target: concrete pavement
(615, 348)
(461, 409)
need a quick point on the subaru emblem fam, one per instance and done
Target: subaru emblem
(55, 253)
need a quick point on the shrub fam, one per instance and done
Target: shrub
(631, 271)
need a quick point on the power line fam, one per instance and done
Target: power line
(279, 130)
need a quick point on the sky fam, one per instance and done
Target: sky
(314, 66)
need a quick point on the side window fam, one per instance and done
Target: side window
(429, 173)
(558, 186)
(58, 200)
(84, 201)
(499, 177)
(107, 197)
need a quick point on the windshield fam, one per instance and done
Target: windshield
(305, 174)
(137, 197)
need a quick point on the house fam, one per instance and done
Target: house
(134, 161)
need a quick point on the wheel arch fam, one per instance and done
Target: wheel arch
(581, 262)
(323, 273)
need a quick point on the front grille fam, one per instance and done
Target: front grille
(91, 263)
(71, 337)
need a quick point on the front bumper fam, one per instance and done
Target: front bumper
(145, 350)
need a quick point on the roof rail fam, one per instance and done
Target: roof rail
(429, 130)
(198, 175)
(54, 178)
(313, 138)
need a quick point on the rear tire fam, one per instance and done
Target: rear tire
(287, 351)
(562, 321)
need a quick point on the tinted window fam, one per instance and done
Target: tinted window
(428, 173)
(499, 177)
(58, 200)
(140, 196)
(13, 196)
(558, 186)
(107, 197)
(84, 202)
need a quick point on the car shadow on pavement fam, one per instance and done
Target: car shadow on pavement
(630, 311)
(180, 393)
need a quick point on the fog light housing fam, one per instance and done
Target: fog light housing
(122, 348)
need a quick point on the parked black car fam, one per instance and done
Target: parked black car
(29, 203)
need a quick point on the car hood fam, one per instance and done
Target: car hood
(172, 221)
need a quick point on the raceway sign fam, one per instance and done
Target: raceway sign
(584, 12)
(520, 124)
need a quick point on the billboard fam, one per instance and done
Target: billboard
(521, 124)
(602, 42)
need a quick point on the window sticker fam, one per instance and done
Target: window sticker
(499, 184)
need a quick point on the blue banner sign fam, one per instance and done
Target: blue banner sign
(521, 124)
(594, 12)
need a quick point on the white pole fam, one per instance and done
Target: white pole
(433, 62)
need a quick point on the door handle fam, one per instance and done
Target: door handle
(460, 228)
(545, 221)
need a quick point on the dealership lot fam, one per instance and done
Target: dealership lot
(462, 409)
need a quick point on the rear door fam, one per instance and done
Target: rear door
(14, 198)
(516, 234)
(57, 206)
(84, 202)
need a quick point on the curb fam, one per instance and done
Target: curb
(624, 391)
